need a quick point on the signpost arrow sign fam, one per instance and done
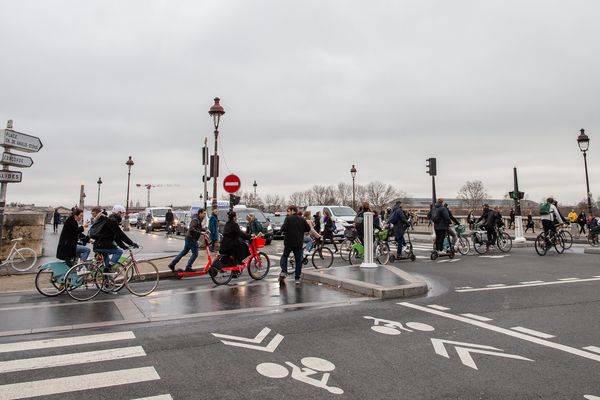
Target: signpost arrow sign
(269, 348)
(21, 141)
(464, 351)
(10, 176)
(16, 160)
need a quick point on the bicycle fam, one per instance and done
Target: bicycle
(380, 248)
(479, 238)
(20, 259)
(350, 235)
(592, 237)
(543, 242)
(566, 236)
(221, 273)
(169, 230)
(321, 257)
(462, 244)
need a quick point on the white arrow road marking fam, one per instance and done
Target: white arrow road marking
(465, 352)
(493, 256)
(159, 397)
(590, 397)
(592, 348)
(269, 348)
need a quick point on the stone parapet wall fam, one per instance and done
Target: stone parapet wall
(28, 225)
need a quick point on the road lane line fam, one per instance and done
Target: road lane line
(508, 332)
(71, 359)
(477, 317)
(159, 397)
(568, 279)
(530, 282)
(496, 285)
(593, 349)
(438, 307)
(68, 384)
(526, 285)
(532, 332)
(70, 341)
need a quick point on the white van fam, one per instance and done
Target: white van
(158, 217)
(342, 215)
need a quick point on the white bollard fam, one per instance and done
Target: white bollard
(368, 234)
(519, 235)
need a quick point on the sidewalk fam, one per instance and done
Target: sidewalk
(26, 282)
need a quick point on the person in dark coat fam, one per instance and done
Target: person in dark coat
(329, 230)
(489, 218)
(530, 224)
(441, 222)
(190, 242)
(108, 235)
(399, 221)
(581, 221)
(67, 243)
(55, 220)
(294, 227)
(233, 243)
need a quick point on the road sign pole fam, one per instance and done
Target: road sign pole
(519, 235)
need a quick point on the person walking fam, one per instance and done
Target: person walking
(530, 224)
(293, 228)
(190, 242)
(511, 223)
(400, 223)
(213, 229)
(68, 249)
(581, 219)
(254, 227)
(441, 222)
(55, 220)
(329, 229)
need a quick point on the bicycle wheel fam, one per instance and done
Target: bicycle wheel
(480, 246)
(221, 277)
(504, 242)
(559, 244)
(382, 253)
(141, 278)
(345, 249)
(46, 284)
(259, 268)
(567, 239)
(117, 282)
(322, 257)
(463, 246)
(593, 239)
(541, 246)
(355, 257)
(84, 281)
(23, 259)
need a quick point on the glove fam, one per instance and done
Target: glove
(135, 246)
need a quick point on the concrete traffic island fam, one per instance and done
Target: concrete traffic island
(383, 282)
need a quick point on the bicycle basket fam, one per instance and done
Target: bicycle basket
(259, 242)
(460, 228)
(383, 234)
(481, 236)
(350, 233)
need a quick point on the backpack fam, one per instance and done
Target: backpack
(544, 208)
(96, 228)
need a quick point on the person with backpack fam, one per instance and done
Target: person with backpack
(441, 221)
(329, 229)
(399, 221)
(550, 216)
(489, 222)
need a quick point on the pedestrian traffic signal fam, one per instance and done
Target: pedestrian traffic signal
(431, 166)
(205, 178)
(234, 200)
(516, 195)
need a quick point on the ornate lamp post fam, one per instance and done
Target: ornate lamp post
(99, 183)
(584, 143)
(129, 164)
(353, 174)
(216, 111)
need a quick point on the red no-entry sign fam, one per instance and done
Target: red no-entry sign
(231, 183)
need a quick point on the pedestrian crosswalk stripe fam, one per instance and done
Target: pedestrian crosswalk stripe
(68, 384)
(71, 359)
(159, 397)
(70, 341)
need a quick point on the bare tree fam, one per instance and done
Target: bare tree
(300, 199)
(322, 195)
(380, 195)
(274, 203)
(343, 194)
(473, 193)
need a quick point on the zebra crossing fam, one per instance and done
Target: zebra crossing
(119, 345)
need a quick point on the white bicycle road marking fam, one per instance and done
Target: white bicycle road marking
(312, 366)
(464, 351)
(240, 341)
(508, 332)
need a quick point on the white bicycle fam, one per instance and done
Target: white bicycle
(20, 259)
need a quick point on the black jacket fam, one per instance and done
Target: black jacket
(233, 242)
(67, 243)
(294, 228)
(398, 219)
(442, 215)
(108, 233)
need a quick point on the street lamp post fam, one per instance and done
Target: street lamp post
(216, 111)
(353, 174)
(99, 183)
(584, 143)
(255, 185)
(129, 164)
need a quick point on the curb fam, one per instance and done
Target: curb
(415, 287)
(592, 250)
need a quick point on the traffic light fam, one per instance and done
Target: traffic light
(512, 195)
(205, 178)
(431, 166)
(521, 195)
(234, 200)
(516, 195)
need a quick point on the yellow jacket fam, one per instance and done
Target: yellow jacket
(572, 216)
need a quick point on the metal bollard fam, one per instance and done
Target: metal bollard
(368, 234)
(519, 235)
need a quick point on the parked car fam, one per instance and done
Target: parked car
(133, 219)
(242, 213)
(276, 222)
(342, 215)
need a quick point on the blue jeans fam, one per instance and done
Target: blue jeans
(115, 255)
(82, 252)
(190, 244)
(308, 243)
(297, 257)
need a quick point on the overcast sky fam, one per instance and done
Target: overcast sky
(309, 89)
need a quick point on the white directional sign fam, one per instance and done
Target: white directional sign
(241, 341)
(21, 141)
(464, 351)
(16, 160)
(10, 176)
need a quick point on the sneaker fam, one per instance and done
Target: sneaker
(281, 280)
(172, 267)
(297, 281)
(188, 269)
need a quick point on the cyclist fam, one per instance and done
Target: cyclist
(312, 233)
(169, 219)
(233, 244)
(329, 229)
(549, 215)
(359, 221)
(68, 249)
(441, 221)
(489, 222)
(399, 221)
(106, 232)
